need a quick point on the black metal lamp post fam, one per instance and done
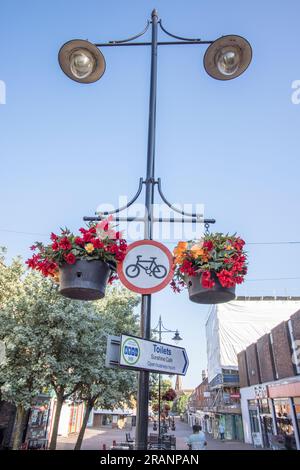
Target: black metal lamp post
(161, 329)
(225, 59)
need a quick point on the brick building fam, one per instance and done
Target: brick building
(269, 371)
(231, 328)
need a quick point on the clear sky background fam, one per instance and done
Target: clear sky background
(233, 146)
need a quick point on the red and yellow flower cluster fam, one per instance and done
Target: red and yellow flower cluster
(216, 255)
(97, 242)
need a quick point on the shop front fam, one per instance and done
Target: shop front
(113, 419)
(271, 415)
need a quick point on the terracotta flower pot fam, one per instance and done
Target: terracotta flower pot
(84, 280)
(214, 295)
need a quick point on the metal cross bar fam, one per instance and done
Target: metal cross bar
(159, 43)
(152, 219)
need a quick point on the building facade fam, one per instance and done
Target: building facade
(231, 328)
(269, 372)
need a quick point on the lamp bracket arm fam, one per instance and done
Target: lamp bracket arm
(132, 37)
(120, 209)
(175, 36)
(198, 216)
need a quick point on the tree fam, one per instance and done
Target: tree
(180, 404)
(106, 387)
(57, 342)
(72, 347)
(22, 372)
(49, 340)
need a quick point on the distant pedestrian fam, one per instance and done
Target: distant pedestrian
(222, 432)
(197, 440)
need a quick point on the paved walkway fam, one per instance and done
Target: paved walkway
(94, 439)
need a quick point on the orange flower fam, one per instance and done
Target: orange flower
(196, 251)
(205, 257)
(181, 246)
(179, 252)
(229, 247)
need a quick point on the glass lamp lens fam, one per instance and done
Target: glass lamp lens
(82, 63)
(228, 60)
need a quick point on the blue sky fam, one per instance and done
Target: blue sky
(233, 145)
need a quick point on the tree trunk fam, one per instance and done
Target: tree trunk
(59, 404)
(89, 407)
(19, 427)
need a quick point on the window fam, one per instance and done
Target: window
(284, 422)
(254, 421)
(263, 406)
(296, 402)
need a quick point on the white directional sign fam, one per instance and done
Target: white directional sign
(138, 353)
(147, 267)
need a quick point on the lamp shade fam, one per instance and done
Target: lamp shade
(81, 61)
(227, 57)
(177, 337)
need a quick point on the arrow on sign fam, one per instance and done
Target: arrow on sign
(186, 363)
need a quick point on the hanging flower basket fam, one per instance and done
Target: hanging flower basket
(84, 280)
(212, 295)
(169, 395)
(82, 265)
(210, 268)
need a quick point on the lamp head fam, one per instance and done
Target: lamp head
(227, 57)
(177, 337)
(81, 61)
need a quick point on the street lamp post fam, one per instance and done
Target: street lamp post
(161, 329)
(226, 58)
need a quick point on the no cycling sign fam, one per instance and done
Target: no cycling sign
(147, 267)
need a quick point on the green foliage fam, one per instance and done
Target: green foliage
(180, 404)
(107, 387)
(57, 342)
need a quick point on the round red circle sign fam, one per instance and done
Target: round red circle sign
(147, 267)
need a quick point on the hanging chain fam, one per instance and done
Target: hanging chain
(206, 225)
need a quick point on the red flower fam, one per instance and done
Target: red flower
(206, 280)
(53, 237)
(238, 244)
(97, 243)
(33, 262)
(33, 247)
(226, 278)
(70, 258)
(113, 277)
(46, 267)
(208, 245)
(65, 244)
(55, 246)
(187, 268)
(79, 241)
(87, 237)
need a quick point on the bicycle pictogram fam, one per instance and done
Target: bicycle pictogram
(150, 266)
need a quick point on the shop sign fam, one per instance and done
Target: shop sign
(260, 392)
